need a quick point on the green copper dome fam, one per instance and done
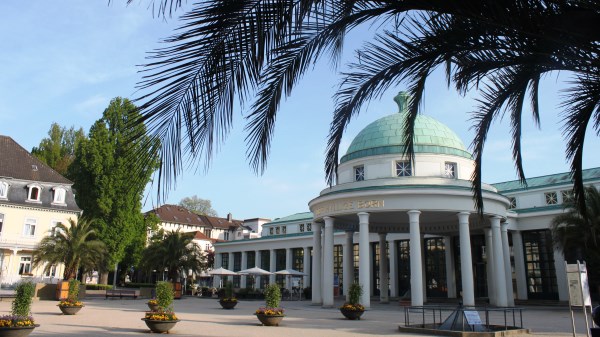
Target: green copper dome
(385, 136)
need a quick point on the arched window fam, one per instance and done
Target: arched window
(34, 192)
(59, 195)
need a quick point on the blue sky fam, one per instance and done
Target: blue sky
(63, 61)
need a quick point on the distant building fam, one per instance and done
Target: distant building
(408, 228)
(33, 200)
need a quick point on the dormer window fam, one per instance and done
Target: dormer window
(59, 195)
(359, 173)
(3, 190)
(34, 192)
(450, 170)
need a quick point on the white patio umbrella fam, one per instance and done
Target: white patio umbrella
(221, 272)
(255, 271)
(290, 273)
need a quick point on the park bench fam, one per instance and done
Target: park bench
(120, 293)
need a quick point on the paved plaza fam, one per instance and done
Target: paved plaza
(204, 317)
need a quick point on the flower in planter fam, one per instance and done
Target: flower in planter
(153, 302)
(11, 321)
(73, 296)
(228, 299)
(353, 307)
(161, 315)
(269, 311)
(70, 303)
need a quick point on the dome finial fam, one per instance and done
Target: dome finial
(402, 99)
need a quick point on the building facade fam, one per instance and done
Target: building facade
(33, 200)
(408, 228)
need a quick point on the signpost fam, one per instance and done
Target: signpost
(579, 291)
(472, 317)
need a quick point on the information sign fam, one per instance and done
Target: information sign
(472, 317)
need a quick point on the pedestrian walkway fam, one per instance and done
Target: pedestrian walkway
(204, 317)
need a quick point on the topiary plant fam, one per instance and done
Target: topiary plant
(272, 296)
(165, 295)
(24, 292)
(229, 289)
(73, 290)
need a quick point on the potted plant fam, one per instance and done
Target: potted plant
(271, 314)
(19, 322)
(163, 319)
(352, 309)
(228, 301)
(152, 304)
(71, 305)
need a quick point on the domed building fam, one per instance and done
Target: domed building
(409, 227)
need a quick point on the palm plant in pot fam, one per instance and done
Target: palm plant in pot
(19, 322)
(353, 309)
(228, 301)
(163, 319)
(271, 314)
(71, 305)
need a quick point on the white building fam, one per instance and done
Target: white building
(410, 228)
(33, 200)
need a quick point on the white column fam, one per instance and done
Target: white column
(520, 274)
(316, 265)
(466, 262)
(364, 264)
(327, 289)
(393, 269)
(510, 299)
(272, 265)
(218, 264)
(450, 268)
(348, 260)
(288, 265)
(257, 263)
(500, 279)
(416, 261)
(230, 267)
(384, 286)
(244, 266)
(306, 267)
(489, 252)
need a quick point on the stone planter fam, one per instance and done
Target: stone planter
(159, 326)
(352, 314)
(153, 307)
(270, 320)
(20, 331)
(70, 310)
(228, 304)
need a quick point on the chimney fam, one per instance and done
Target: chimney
(229, 217)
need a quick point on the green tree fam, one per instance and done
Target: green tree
(58, 150)
(578, 235)
(109, 182)
(175, 252)
(235, 52)
(198, 205)
(75, 246)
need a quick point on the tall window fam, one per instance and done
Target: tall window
(25, 266)
(271, 231)
(34, 193)
(403, 169)
(29, 228)
(309, 227)
(359, 173)
(51, 272)
(208, 232)
(450, 170)
(3, 190)
(53, 225)
(283, 229)
(301, 227)
(226, 236)
(59, 195)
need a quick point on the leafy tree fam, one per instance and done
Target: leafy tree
(578, 235)
(198, 205)
(58, 150)
(109, 183)
(75, 245)
(235, 51)
(174, 251)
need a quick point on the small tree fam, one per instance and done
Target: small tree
(165, 295)
(73, 296)
(355, 291)
(272, 296)
(24, 292)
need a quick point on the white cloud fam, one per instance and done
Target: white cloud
(92, 104)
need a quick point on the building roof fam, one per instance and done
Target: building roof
(546, 181)
(198, 235)
(291, 218)
(386, 136)
(181, 215)
(18, 163)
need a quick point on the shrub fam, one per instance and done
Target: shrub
(24, 292)
(73, 290)
(229, 289)
(165, 295)
(272, 296)
(354, 293)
